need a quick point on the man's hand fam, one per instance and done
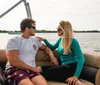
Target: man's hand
(72, 80)
(38, 69)
(54, 60)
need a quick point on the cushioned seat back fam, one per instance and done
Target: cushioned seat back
(3, 58)
(3, 55)
(42, 59)
(92, 59)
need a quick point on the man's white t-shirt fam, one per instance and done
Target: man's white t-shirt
(27, 49)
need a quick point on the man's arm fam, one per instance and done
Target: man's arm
(50, 53)
(12, 56)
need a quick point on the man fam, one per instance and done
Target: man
(21, 51)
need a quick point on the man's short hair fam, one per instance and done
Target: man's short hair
(27, 22)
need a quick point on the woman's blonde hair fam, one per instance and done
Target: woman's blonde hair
(67, 35)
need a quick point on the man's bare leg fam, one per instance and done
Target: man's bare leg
(39, 80)
(26, 81)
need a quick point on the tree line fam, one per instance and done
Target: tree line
(47, 31)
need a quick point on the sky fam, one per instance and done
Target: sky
(83, 14)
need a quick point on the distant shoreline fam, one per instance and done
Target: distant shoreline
(44, 31)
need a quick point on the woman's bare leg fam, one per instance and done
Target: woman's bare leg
(39, 80)
(79, 83)
(26, 81)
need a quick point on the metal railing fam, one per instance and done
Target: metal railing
(27, 6)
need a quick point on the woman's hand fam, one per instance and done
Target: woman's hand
(72, 80)
(40, 38)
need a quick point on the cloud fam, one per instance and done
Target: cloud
(83, 14)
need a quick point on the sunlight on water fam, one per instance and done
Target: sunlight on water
(88, 41)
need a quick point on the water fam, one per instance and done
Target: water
(88, 41)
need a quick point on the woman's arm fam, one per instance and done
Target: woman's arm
(52, 47)
(76, 47)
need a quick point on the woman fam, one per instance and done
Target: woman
(72, 59)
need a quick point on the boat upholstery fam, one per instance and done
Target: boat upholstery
(92, 59)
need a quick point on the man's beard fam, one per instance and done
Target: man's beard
(32, 34)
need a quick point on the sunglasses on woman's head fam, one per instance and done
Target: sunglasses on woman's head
(58, 29)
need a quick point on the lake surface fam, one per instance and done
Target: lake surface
(88, 41)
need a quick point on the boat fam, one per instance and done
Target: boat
(15, 33)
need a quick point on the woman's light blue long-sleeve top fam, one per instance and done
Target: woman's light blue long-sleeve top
(76, 54)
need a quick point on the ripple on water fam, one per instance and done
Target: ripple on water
(97, 50)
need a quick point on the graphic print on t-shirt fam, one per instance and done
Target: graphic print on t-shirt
(34, 47)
